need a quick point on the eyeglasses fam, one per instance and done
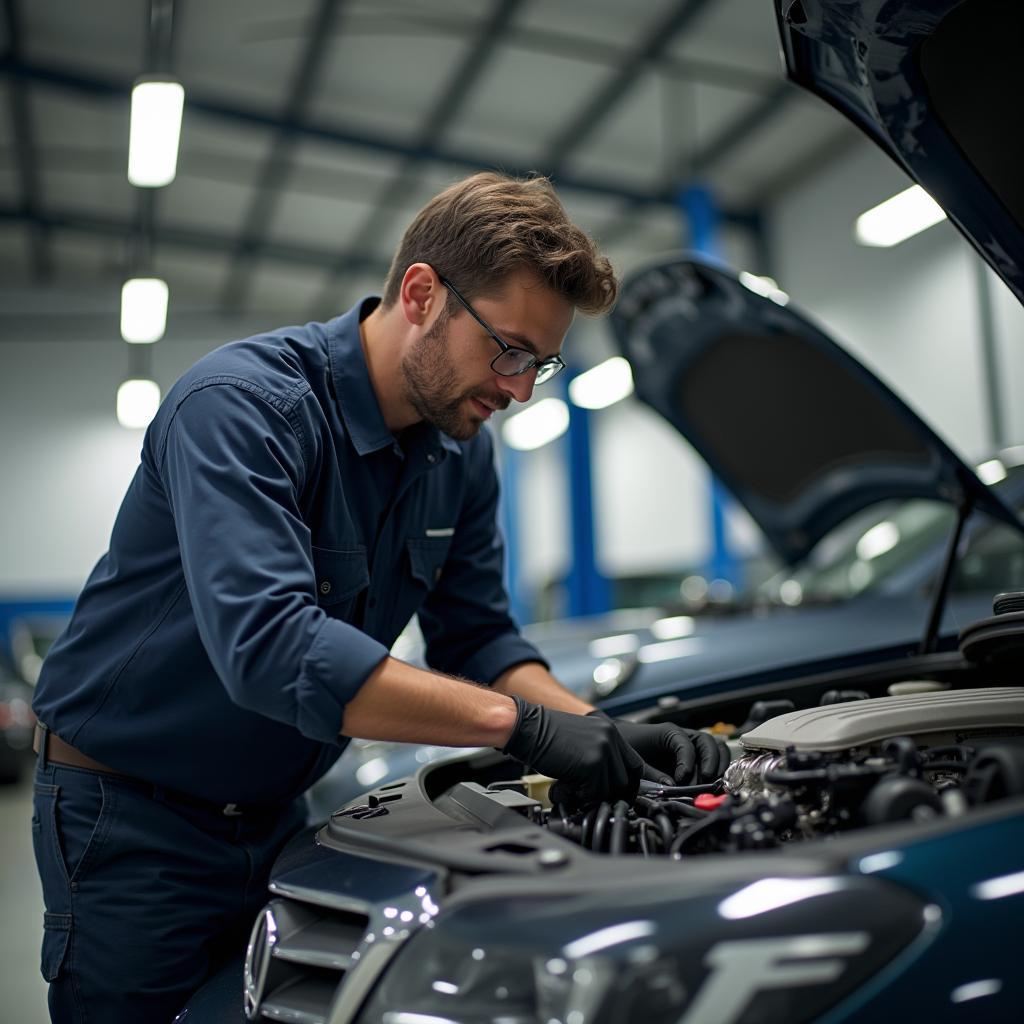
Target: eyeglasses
(510, 361)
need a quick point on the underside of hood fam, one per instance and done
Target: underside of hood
(937, 85)
(801, 433)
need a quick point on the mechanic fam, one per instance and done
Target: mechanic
(301, 495)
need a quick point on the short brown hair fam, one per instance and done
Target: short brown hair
(479, 230)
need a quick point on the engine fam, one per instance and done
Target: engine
(820, 771)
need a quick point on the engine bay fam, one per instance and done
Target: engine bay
(920, 753)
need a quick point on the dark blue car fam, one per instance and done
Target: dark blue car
(862, 860)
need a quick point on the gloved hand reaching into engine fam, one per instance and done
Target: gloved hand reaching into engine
(586, 753)
(672, 755)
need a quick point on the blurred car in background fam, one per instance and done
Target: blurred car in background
(17, 722)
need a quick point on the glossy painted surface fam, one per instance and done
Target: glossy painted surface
(864, 58)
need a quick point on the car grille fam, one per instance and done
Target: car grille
(298, 956)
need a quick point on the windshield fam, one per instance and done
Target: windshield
(897, 539)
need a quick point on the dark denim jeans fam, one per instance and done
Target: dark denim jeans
(145, 894)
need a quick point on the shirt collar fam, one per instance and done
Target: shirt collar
(356, 398)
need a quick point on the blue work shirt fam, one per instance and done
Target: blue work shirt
(272, 545)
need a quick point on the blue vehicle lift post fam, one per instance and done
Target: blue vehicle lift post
(508, 516)
(589, 592)
(697, 204)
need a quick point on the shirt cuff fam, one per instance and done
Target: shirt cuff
(498, 656)
(338, 662)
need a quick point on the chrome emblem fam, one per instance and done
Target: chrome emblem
(257, 960)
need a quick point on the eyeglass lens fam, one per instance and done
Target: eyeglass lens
(516, 361)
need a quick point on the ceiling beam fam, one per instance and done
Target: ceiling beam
(458, 90)
(97, 225)
(276, 168)
(26, 152)
(604, 100)
(373, 23)
(754, 120)
(693, 168)
(208, 104)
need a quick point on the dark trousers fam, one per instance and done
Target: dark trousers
(145, 893)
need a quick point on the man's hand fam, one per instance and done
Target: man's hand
(673, 755)
(584, 752)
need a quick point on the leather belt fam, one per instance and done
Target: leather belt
(60, 752)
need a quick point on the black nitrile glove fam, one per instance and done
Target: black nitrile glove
(674, 755)
(585, 753)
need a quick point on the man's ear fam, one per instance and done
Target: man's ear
(421, 293)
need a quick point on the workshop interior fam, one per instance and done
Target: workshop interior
(770, 506)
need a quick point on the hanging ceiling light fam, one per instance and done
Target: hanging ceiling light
(143, 309)
(137, 403)
(906, 214)
(534, 427)
(605, 384)
(157, 103)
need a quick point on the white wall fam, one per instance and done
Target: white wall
(909, 312)
(65, 462)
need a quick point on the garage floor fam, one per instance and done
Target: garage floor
(21, 911)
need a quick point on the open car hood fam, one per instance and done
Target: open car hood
(800, 432)
(936, 84)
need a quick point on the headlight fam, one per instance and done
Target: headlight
(797, 945)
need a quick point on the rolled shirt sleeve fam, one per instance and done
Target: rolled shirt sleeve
(233, 470)
(465, 619)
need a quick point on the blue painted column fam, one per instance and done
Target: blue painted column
(589, 592)
(510, 468)
(697, 205)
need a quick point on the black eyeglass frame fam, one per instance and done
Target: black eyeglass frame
(541, 364)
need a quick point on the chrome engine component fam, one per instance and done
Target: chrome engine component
(921, 716)
(820, 771)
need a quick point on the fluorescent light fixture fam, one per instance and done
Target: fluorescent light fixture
(536, 426)
(137, 403)
(882, 537)
(155, 129)
(143, 310)
(991, 472)
(897, 219)
(605, 384)
(766, 286)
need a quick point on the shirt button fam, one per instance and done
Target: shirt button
(431, 458)
(325, 587)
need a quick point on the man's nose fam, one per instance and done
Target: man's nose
(519, 387)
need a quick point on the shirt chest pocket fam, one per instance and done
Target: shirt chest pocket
(340, 576)
(426, 559)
